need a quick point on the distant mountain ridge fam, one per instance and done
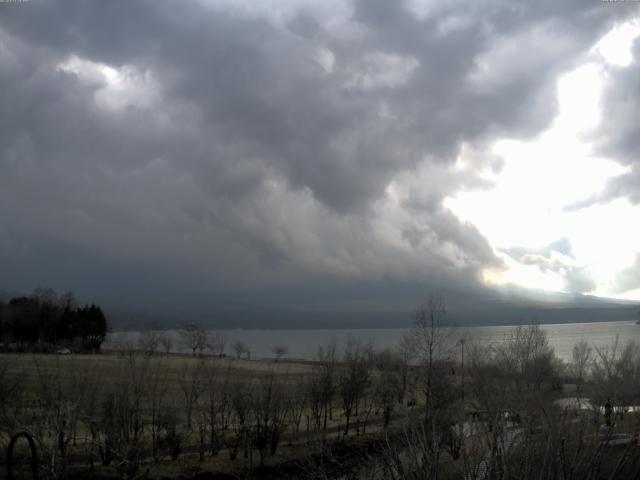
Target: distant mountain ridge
(516, 306)
(232, 316)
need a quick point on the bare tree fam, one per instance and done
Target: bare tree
(156, 403)
(167, 343)
(581, 358)
(191, 386)
(194, 337)
(326, 380)
(239, 348)
(279, 351)
(68, 301)
(53, 415)
(315, 395)
(389, 369)
(45, 296)
(527, 356)
(149, 341)
(216, 344)
(298, 401)
(118, 431)
(489, 387)
(270, 409)
(217, 400)
(64, 393)
(241, 402)
(353, 379)
(433, 340)
(616, 373)
(405, 354)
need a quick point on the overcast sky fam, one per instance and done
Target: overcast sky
(334, 154)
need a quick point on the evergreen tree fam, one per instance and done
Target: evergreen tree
(47, 320)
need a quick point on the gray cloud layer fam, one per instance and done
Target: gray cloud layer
(629, 278)
(621, 133)
(618, 136)
(241, 151)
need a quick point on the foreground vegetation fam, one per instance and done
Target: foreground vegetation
(438, 406)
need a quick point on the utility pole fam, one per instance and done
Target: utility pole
(462, 340)
(461, 432)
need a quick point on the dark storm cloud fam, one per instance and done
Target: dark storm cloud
(231, 150)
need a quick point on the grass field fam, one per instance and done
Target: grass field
(112, 368)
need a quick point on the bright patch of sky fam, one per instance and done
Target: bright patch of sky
(528, 207)
(115, 89)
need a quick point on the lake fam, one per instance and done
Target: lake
(304, 343)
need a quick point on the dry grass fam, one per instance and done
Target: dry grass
(113, 368)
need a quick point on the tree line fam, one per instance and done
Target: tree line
(46, 322)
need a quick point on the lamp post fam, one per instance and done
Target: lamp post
(461, 428)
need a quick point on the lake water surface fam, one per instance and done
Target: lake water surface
(304, 343)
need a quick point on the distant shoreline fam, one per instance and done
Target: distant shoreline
(364, 327)
(304, 343)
